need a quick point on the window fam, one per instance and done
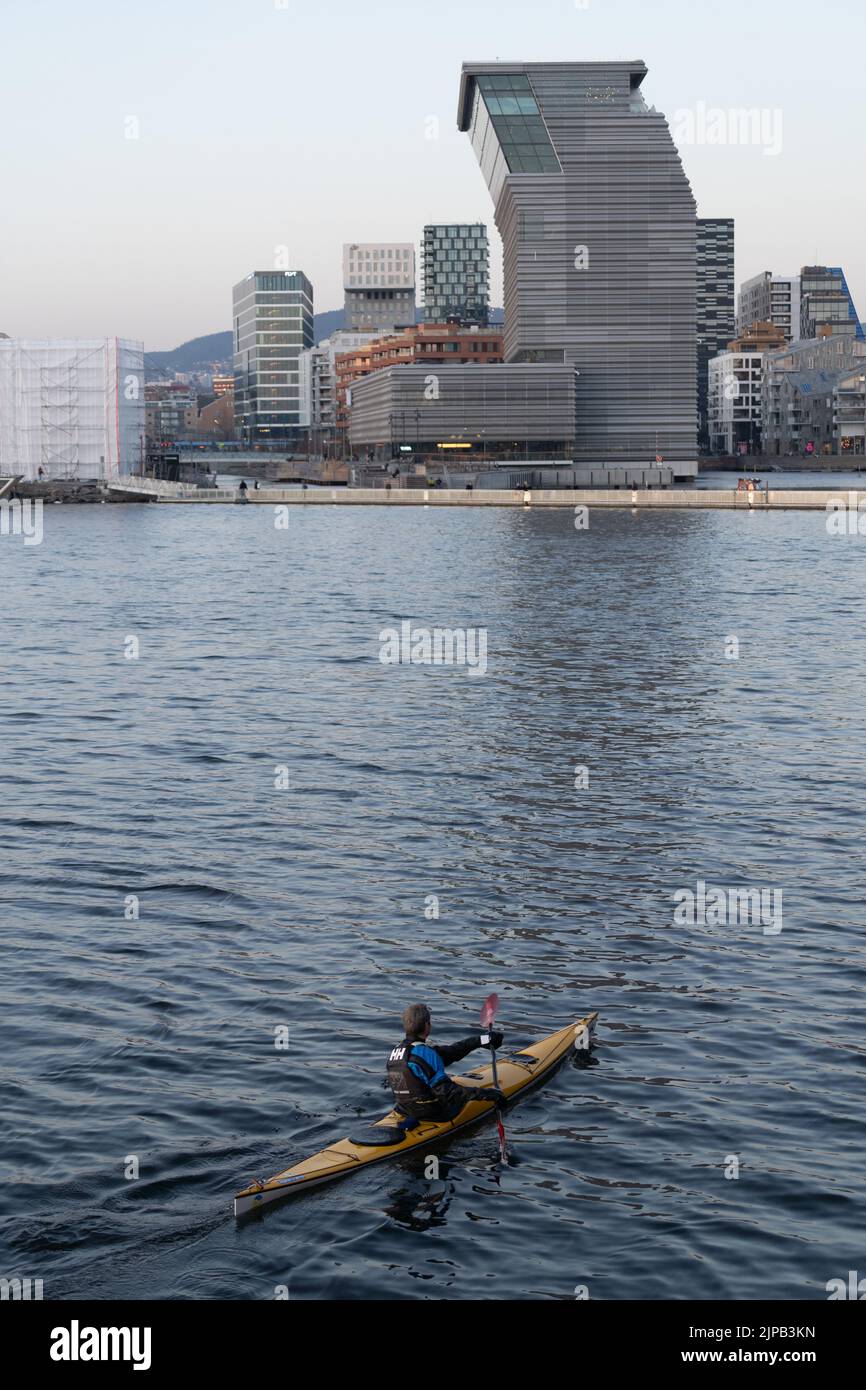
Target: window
(512, 111)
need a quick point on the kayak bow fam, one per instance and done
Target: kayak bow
(517, 1073)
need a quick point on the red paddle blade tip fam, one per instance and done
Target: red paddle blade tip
(489, 1010)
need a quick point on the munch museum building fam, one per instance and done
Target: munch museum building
(597, 221)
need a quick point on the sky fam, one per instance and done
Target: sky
(154, 155)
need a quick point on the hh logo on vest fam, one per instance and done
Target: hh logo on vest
(397, 1055)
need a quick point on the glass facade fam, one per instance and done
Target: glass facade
(507, 131)
(826, 304)
(456, 273)
(272, 318)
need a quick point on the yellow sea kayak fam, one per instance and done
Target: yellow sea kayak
(517, 1072)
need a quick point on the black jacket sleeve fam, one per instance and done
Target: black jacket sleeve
(458, 1050)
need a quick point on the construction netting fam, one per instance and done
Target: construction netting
(71, 408)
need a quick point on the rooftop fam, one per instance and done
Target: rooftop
(636, 69)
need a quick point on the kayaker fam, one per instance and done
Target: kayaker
(416, 1071)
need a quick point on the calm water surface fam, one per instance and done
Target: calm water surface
(304, 907)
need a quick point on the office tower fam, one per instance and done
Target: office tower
(826, 306)
(769, 298)
(273, 323)
(456, 271)
(379, 285)
(597, 221)
(715, 304)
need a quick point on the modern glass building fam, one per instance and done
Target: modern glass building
(272, 319)
(715, 306)
(597, 221)
(456, 271)
(826, 305)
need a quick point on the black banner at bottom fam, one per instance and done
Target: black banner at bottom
(159, 1339)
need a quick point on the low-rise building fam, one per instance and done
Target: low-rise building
(427, 343)
(171, 412)
(828, 358)
(823, 413)
(494, 411)
(736, 390)
(216, 420)
(760, 337)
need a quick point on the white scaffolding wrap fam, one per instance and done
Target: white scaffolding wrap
(73, 408)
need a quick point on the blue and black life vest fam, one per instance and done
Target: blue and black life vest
(413, 1069)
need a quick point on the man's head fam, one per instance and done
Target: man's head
(416, 1021)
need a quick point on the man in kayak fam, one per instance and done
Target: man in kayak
(417, 1076)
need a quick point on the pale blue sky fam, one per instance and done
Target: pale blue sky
(306, 125)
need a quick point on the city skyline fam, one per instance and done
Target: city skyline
(161, 180)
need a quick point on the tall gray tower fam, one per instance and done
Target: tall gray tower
(597, 221)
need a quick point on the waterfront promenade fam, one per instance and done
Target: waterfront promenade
(641, 498)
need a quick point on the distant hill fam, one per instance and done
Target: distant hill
(214, 350)
(327, 323)
(199, 354)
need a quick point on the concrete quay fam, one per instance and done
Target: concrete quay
(689, 499)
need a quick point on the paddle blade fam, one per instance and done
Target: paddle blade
(503, 1152)
(489, 1010)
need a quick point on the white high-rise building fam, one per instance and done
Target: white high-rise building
(71, 407)
(735, 380)
(378, 285)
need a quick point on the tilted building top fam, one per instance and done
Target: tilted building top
(597, 221)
